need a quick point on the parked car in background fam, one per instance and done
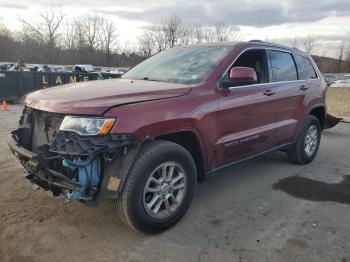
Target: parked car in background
(67, 68)
(341, 83)
(5, 66)
(84, 68)
(44, 68)
(115, 71)
(87, 69)
(146, 139)
(329, 81)
(19, 67)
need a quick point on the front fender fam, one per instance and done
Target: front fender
(158, 118)
(116, 171)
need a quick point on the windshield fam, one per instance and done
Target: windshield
(189, 65)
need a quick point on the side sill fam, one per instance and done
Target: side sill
(249, 157)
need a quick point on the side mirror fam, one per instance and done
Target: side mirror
(242, 76)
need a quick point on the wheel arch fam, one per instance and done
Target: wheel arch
(320, 112)
(193, 144)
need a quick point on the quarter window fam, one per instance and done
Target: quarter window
(305, 68)
(283, 66)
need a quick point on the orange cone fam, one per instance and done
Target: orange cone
(4, 106)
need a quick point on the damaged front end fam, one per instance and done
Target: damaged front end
(81, 167)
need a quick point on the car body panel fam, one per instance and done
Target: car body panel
(95, 97)
(291, 105)
(246, 122)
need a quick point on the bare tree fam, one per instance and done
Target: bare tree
(6, 43)
(341, 50)
(46, 28)
(172, 27)
(347, 59)
(341, 55)
(162, 35)
(91, 26)
(80, 42)
(219, 32)
(309, 44)
(173, 31)
(69, 37)
(295, 42)
(108, 36)
(222, 32)
(4, 31)
(198, 33)
(204, 33)
(146, 42)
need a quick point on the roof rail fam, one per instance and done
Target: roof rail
(256, 41)
(273, 44)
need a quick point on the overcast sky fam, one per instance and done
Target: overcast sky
(328, 20)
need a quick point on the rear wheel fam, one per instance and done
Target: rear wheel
(304, 150)
(159, 187)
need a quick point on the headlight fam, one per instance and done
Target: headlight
(87, 125)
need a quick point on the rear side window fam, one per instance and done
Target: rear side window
(305, 68)
(283, 66)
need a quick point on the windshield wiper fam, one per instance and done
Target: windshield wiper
(150, 79)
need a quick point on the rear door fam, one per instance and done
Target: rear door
(290, 94)
(307, 73)
(247, 113)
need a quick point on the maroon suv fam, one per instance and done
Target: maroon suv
(146, 139)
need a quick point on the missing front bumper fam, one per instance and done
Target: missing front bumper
(41, 171)
(45, 177)
(44, 151)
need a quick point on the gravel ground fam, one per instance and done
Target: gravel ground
(265, 209)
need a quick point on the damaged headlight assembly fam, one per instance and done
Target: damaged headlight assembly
(87, 126)
(89, 169)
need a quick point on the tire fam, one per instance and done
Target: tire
(147, 174)
(299, 153)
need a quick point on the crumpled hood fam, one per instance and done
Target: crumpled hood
(95, 97)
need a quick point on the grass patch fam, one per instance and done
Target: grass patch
(338, 101)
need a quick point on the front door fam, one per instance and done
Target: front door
(247, 113)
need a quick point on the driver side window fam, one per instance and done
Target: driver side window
(255, 59)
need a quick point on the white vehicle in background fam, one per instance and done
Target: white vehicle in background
(116, 71)
(84, 68)
(341, 83)
(87, 69)
(44, 68)
(67, 68)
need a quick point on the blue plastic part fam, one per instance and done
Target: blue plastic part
(89, 174)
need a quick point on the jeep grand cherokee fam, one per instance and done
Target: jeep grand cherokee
(147, 138)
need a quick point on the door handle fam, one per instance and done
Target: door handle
(269, 92)
(304, 87)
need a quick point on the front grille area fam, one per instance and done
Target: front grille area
(37, 128)
(44, 128)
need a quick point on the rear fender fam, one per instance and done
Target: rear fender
(307, 113)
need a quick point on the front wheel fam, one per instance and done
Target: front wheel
(304, 150)
(159, 187)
